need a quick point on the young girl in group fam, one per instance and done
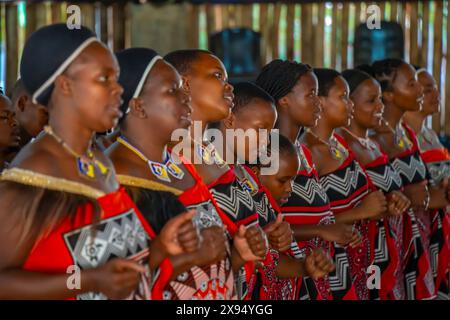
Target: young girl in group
(365, 93)
(294, 88)
(253, 111)
(437, 160)
(342, 177)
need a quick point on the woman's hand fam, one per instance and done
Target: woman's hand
(397, 203)
(116, 279)
(318, 264)
(251, 243)
(279, 233)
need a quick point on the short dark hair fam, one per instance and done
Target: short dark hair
(182, 59)
(245, 92)
(325, 79)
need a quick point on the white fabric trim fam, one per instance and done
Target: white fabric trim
(62, 67)
(150, 65)
(140, 85)
(421, 70)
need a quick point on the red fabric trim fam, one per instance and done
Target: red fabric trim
(435, 155)
(383, 159)
(165, 272)
(227, 178)
(353, 196)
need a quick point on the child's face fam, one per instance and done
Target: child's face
(258, 114)
(280, 184)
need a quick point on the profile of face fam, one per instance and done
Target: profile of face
(257, 115)
(337, 106)
(9, 130)
(431, 97)
(91, 83)
(31, 117)
(280, 183)
(407, 92)
(368, 105)
(163, 102)
(302, 102)
(207, 83)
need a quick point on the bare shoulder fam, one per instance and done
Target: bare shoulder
(38, 156)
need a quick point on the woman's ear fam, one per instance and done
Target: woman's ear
(22, 102)
(62, 84)
(283, 103)
(136, 108)
(229, 121)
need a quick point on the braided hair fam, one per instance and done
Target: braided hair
(385, 71)
(280, 76)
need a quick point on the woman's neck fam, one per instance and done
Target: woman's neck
(197, 129)
(77, 137)
(199, 123)
(287, 127)
(415, 120)
(228, 147)
(323, 130)
(358, 130)
(392, 114)
(149, 144)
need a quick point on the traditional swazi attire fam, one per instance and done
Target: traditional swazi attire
(208, 282)
(346, 187)
(385, 243)
(309, 205)
(437, 160)
(97, 227)
(81, 226)
(265, 283)
(418, 279)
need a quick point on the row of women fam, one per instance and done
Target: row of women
(357, 210)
